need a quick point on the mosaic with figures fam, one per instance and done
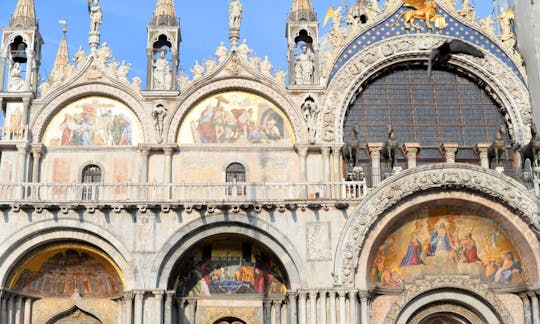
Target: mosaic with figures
(230, 267)
(62, 272)
(235, 117)
(446, 241)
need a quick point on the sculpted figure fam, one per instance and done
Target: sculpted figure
(197, 70)
(162, 73)
(266, 66)
(235, 14)
(311, 113)
(304, 67)
(96, 15)
(244, 50)
(221, 52)
(159, 113)
(80, 58)
(16, 81)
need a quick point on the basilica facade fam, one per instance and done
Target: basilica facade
(390, 176)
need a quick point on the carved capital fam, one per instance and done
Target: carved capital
(128, 295)
(449, 151)
(158, 294)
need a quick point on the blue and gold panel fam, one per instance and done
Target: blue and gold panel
(394, 26)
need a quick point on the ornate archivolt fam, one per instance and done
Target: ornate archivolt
(499, 78)
(44, 111)
(446, 285)
(267, 91)
(434, 177)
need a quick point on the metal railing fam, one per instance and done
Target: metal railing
(209, 193)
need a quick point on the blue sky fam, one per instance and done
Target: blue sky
(204, 25)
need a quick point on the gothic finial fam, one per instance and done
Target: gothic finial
(302, 10)
(164, 14)
(24, 14)
(61, 62)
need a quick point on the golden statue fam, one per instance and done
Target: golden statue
(424, 10)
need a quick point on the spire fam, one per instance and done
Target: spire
(302, 10)
(164, 14)
(24, 14)
(61, 62)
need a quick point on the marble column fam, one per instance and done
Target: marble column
(28, 311)
(28, 75)
(326, 163)
(482, 152)
(3, 306)
(174, 55)
(302, 155)
(276, 304)
(128, 297)
(336, 164)
(411, 152)
(144, 151)
(375, 154)
(36, 153)
(364, 309)
(449, 151)
(333, 318)
(149, 69)
(21, 162)
(313, 307)
(189, 311)
(181, 310)
(534, 307)
(10, 309)
(527, 315)
(342, 309)
(324, 311)
(267, 311)
(293, 315)
(302, 307)
(138, 314)
(167, 167)
(2, 71)
(353, 298)
(158, 299)
(168, 307)
(18, 310)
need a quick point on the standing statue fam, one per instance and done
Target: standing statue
(304, 67)
(311, 113)
(96, 15)
(16, 81)
(235, 14)
(162, 72)
(159, 113)
(388, 151)
(496, 149)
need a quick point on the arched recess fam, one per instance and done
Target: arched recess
(196, 231)
(512, 205)
(54, 104)
(268, 92)
(74, 313)
(17, 246)
(506, 86)
(460, 291)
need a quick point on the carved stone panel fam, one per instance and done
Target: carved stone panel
(318, 241)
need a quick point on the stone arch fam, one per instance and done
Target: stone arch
(28, 41)
(27, 239)
(344, 86)
(59, 315)
(195, 231)
(458, 289)
(515, 204)
(53, 104)
(275, 96)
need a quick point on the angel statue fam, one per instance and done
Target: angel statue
(96, 15)
(337, 36)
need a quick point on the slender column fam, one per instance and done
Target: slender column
(158, 298)
(150, 63)
(18, 310)
(192, 311)
(526, 308)
(168, 307)
(284, 312)
(534, 307)
(181, 314)
(144, 151)
(336, 164)
(411, 150)
(293, 318)
(2, 72)
(364, 315)
(174, 54)
(276, 304)
(313, 307)
(28, 311)
(167, 168)
(36, 153)
(3, 306)
(342, 309)
(324, 311)
(302, 154)
(333, 307)
(139, 295)
(10, 309)
(326, 163)
(482, 152)
(28, 75)
(302, 307)
(267, 311)
(128, 297)
(21, 161)
(353, 298)
(375, 153)
(449, 151)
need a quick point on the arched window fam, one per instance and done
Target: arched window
(235, 173)
(91, 174)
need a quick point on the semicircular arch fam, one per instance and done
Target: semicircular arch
(31, 237)
(507, 87)
(515, 206)
(53, 105)
(275, 96)
(190, 234)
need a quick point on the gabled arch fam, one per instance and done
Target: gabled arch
(516, 206)
(343, 88)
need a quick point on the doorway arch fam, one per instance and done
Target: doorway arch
(229, 320)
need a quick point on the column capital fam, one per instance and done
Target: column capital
(128, 295)
(37, 149)
(301, 150)
(144, 149)
(449, 151)
(158, 294)
(325, 150)
(22, 146)
(139, 294)
(302, 294)
(149, 51)
(375, 147)
(411, 148)
(364, 294)
(313, 294)
(531, 293)
(342, 293)
(170, 294)
(524, 295)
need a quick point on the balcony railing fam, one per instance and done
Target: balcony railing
(210, 193)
